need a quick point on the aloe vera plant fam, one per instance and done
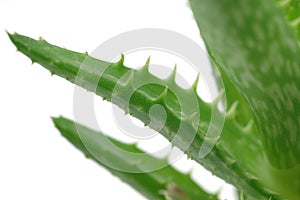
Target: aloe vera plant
(255, 46)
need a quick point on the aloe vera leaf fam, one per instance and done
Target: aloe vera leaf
(255, 46)
(219, 161)
(259, 38)
(159, 184)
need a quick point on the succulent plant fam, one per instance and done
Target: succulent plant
(255, 47)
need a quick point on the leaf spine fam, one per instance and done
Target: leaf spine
(41, 39)
(121, 61)
(195, 84)
(231, 113)
(147, 64)
(172, 76)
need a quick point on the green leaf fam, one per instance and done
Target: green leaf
(166, 183)
(114, 81)
(252, 43)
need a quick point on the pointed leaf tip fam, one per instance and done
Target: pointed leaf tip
(52, 118)
(147, 64)
(55, 120)
(121, 61)
(10, 35)
(173, 74)
(195, 84)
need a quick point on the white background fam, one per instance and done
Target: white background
(35, 161)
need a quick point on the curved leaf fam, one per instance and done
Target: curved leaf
(223, 161)
(166, 182)
(252, 43)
